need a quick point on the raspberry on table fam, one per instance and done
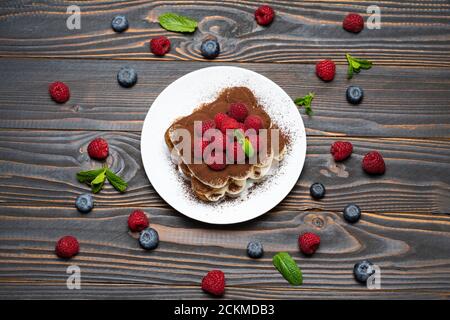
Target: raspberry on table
(137, 221)
(59, 92)
(341, 150)
(214, 282)
(67, 247)
(308, 243)
(159, 46)
(373, 163)
(353, 22)
(98, 149)
(326, 70)
(264, 15)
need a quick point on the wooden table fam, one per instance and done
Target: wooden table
(405, 227)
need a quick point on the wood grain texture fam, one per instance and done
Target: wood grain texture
(413, 32)
(398, 102)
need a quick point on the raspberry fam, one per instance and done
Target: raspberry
(308, 243)
(219, 118)
(219, 141)
(214, 282)
(67, 247)
(59, 92)
(353, 22)
(160, 46)
(341, 150)
(229, 124)
(325, 70)
(98, 149)
(264, 15)
(216, 164)
(137, 221)
(238, 111)
(206, 125)
(373, 163)
(253, 122)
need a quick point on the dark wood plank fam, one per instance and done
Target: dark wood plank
(398, 102)
(38, 169)
(413, 32)
(58, 291)
(411, 250)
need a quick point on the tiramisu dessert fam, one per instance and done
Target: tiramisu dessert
(225, 145)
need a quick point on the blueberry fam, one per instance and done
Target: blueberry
(255, 249)
(354, 94)
(352, 213)
(363, 270)
(149, 239)
(127, 77)
(84, 203)
(210, 48)
(119, 23)
(317, 190)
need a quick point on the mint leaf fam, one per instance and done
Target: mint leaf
(288, 268)
(88, 176)
(355, 65)
(100, 178)
(245, 144)
(306, 103)
(97, 187)
(177, 23)
(116, 181)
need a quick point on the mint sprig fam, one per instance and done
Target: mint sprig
(306, 101)
(355, 65)
(96, 179)
(288, 268)
(174, 22)
(245, 144)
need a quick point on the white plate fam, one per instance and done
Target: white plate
(184, 95)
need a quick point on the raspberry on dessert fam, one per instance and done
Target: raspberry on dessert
(200, 147)
(238, 111)
(308, 243)
(341, 150)
(98, 149)
(353, 22)
(373, 163)
(264, 15)
(59, 92)
(160, 45)
(229, 124)
(253, 122)
(219, 140)
(67, 247)
(325, 70)
(235, 153)
(137, 221)
(219, 118)
(214, 282)
(206, 125)
(216, 163)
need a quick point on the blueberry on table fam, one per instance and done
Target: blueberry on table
(210, 48)
(363, 270)
(255, 249)
(354, 94)
(119, 23)
(149, 239)
(84, 203)
(352, 213)
(317, 190)
(127, 77)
